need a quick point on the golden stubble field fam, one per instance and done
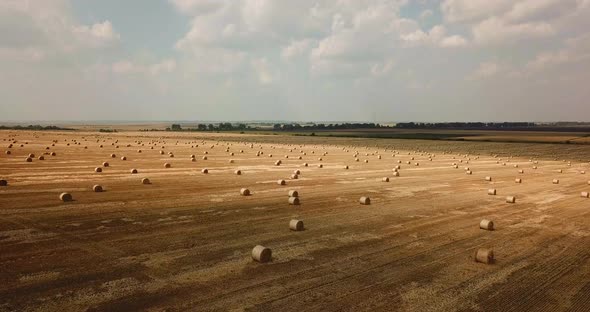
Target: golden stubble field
(184, 241)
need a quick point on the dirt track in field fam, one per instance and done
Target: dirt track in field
(184, 241)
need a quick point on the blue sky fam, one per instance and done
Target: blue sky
(350, 60)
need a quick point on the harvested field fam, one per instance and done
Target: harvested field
(185, 241)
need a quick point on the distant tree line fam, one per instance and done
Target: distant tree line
(464, 125)
(33, 127)
(295, 126)
(227, 126)
(224, 126)
(107, 130)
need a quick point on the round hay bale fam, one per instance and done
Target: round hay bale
(293, 200)
(123, 158)
(261, 254)
(204, 157)
(491, 191)
(278, 163)
(113, 155)
(396, 174)
(65, 197)
(105, 164)
(98, 169)
(582, 172)
(365, 200)
(167, 165)
(517, 180)
(520, 171)
(133, 171)
(468, 172)
(231, 161)
(281, 182)
(238, 172)
(171, 155)
(297, 171)
(385, 179)
(294, 177)
(29, 159)
(346, 167)
(560, 171)
(585, 194)
(320, 166)
(41, 157)
(511, 199)
(3, 183)
(145, 181)
(486, 224)
(296, 225)
(305, 164)
(245, 192)
(97, 188)
(8, 152)
(293, 193)
(205, 171)
(555, 181)
(31, 155)
(488, 178)
(484, 255)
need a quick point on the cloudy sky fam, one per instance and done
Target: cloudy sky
(349, 60)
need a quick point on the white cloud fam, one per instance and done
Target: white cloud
(436, 36)
(96, 35)
(126, 67)
(382, 68)
(453, 41)
(487, 69)
(263, 71)
(542, 10)
(49, 28)
(575, 50)
(473, 10)
(426, 14)
(297, 48)
(196, 7)
(495, 30)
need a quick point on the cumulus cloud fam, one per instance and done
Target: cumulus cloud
(269, 53)
(473, 10)
(487, 69)
(297, 48)
(125, 67)
(575, 50)
(453, 41)
(496, 30)
(49, 28)
(508, 21)
(98, 34)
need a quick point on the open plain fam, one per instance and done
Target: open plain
(184, 241)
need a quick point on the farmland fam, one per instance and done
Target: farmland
(184, 241)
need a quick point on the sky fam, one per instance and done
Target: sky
(304, 60)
